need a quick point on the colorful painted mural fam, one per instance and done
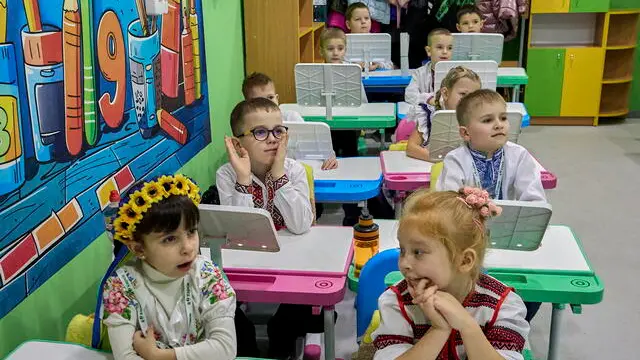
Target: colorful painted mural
(94, 96)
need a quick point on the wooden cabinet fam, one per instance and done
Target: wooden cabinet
(545, 68)
(582, 81)
(550, 6)
(589, 6)
(278, 34)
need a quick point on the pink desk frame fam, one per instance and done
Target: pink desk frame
(315, 288)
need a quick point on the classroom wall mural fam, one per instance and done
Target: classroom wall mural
(94, 96)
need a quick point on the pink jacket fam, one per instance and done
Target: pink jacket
(501, 16)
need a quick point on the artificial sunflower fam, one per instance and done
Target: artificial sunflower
(122, 226)
(154, 191)
(140, 202)
(128, 213)
(124, 238)
(166, 182)
(181, 185)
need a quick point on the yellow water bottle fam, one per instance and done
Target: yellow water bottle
(366, 237)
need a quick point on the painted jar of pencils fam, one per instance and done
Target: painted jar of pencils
(45, 91)
(366, 237)
(11, 152)
(144, 53)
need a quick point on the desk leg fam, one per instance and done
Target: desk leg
(329, 334)
(515, 96)
(397, 203)
(554, 334)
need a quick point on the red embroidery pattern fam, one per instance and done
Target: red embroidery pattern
(491, 284)
(502, 338)
(419, 330)
(479, 300)
(382, 341)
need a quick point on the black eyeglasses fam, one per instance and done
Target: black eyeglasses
(261, 133)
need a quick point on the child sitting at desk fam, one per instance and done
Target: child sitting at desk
(469, 19)
(260, 85)
(358, 21)
(168, 303)
(445, 308)
(459, 82)
(486, 159)
(260, 175)
(421, 87)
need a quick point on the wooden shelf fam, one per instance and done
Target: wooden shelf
(623, 30)
(621, 47)
(567, 30)
(616, 113)
(318, 26)
(618, 66)
(317, 56)
(305, 13)
(306, 48)
(618, 80)
(304, 30)
(614, 99)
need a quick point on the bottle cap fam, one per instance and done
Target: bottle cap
(114, 196)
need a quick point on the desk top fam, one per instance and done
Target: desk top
(349, 169)
(397, 162)
(560, 251)
(364, 110)
(404, 107)
(506, 75)
(52, 350)
(323, 250)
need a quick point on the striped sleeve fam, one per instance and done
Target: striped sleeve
(509, 332)
(394, 335)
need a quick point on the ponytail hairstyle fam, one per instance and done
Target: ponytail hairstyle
(450, 80)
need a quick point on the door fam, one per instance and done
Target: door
(545, 68)
(589, 6)
(582, 81)
(551, 6)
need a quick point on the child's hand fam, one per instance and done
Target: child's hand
(424, 297)
(361, 63)
(374, 66)
(239, 161)
(330, 164)
(277, 169)
(145, 345)
(453, 311)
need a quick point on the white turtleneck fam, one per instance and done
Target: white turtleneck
(220, 338)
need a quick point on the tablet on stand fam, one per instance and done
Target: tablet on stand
(368, 48)
(477, 46)
(487, 70)
(309, 140)
(235, 227)
(328, 85)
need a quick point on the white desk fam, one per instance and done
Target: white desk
(404, 107)
(397, 162)
(365, 116)
(349, 169)
(51, 350)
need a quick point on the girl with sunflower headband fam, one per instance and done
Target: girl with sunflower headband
(169, 302)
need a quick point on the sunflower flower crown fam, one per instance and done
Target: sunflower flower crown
(138, 202)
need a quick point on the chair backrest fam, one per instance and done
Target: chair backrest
(312, 194)
(404, 129)
(436, 169)
(371, 285)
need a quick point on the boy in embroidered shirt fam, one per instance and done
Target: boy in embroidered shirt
(168, 302)
(258, 173)
(421, 87)
(358, 21)
(445, 308)
(260, 85)
(469, 19)
(486, 159)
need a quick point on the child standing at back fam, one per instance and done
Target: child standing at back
(169, 302)
(469, 19)
(358, 21)
(459, 82)
(445, 308)
(421, 87)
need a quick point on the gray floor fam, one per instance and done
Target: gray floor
(598, 170)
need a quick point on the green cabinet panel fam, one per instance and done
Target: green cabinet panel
(624, 4)
(589, 6)
(545, 68)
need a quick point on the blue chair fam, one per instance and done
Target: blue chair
(371, 285)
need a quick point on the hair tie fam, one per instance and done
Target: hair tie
(479, 199)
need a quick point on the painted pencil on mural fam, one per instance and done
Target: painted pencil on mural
(32, 10)
(3, 21)
(91, 127)
(144, 19)
(187, 59)
(72, 76)
(170, 49)
(172, 126)
(195, 35)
